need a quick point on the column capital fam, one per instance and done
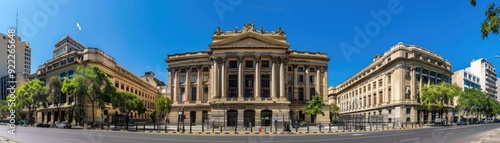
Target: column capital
(295, 65)
(326, 67)
(199, 67)
(306, 66)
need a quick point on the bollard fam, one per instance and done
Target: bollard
(296, 126)
(144, 126)
(154, 126)
(320, 127)
(271, 127)
(330, 127)
(136, 127)
(220, 128)
(376, 123)
(276, 126)
(307, 128)
(203, 127)
(213, 126)
(191, 127)
(251, 128)
(236, 127)
(166, 126)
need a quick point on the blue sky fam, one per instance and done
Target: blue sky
(140, 34)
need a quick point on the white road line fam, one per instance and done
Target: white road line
(449, 133)
(409, 139)
(71, 139)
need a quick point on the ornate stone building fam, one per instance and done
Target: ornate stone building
(247, 75)
(68, 54)
(390, 85)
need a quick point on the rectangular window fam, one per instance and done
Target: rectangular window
(265, 64)
(233, 64)
(183, 70)
(265, 81)
(290, 93)
(205, 93)
(312, 69)
(193, 94)
(194, 78)
(312, 92)
(311, 79)
(289, 68)
(301, 69)
(266, 93)
(205, 69)
(233, 80)
(290, 78)
(301, 94)
(301, 78)
(182, 94)
(408, 111)
(194, 69)
(249, 64)
(205, 78)
(183, 79)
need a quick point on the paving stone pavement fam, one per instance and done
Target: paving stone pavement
(5, 140)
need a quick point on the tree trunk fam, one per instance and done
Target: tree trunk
(93, 116)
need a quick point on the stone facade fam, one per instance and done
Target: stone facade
(68, 55)
(390, 85)
(247, 75)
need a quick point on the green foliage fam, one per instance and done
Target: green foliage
(491, 21)
(473, 100)
(314, 107)
(31, 95)
(54, 86)
(4, 107)
(127, 102)
(334, 111)
(438, 94)
(93, 83)
(152, 115)
(163, 105)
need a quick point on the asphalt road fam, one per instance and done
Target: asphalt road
(455, 134)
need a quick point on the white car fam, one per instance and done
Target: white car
(63, 125)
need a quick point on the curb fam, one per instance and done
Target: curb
(266, 133)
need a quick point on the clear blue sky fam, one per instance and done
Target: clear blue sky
(140, 34)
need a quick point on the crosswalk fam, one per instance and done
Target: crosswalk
(4, 140)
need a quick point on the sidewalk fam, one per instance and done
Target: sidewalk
(492, 137)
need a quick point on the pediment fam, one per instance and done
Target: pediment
(249, 40)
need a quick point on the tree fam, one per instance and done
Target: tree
(438, 95)
(4, 108)
(334, 112)
(127, 102)
(163, 106)
(71, 88)
(491, 22)
(314, 106)
(479, 103)
(31, 95)
(95, 85)
(54, 87)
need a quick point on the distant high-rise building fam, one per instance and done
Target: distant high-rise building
(487, 73)
(465, 80)
(22, 63)
(498, 89)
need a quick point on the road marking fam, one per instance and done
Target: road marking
(449, 133)
(71, 139)
(409, 139)
(357, 134)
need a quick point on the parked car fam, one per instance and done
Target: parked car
(462, 122)
(64, 125)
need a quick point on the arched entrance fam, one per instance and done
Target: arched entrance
(232, 117)
(266, 117)
(249, 116)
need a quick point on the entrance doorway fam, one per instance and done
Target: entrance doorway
(249, 116)
(232, 117)
(266, 117)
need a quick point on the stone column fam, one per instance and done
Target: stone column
(199, 90)
(176, 85)
(187, 90)
(273, 78)
(257, 77)
(240, 78)
(282, 78)
(318, 81)
(224, 79)
(413, 83)
(306, 78)
(295, 83)
(325, 82)
(215, 78)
